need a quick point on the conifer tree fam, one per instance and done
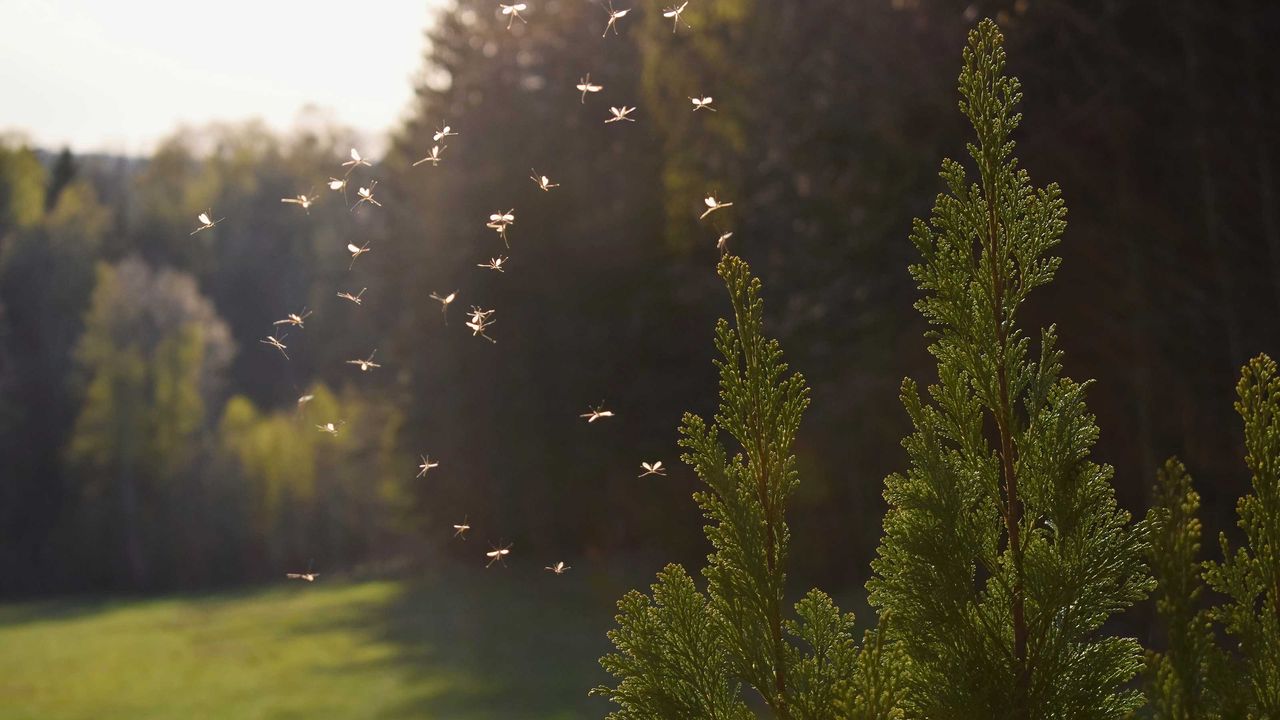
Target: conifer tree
(1250, 576)
(685, 654)
(1004, 550)
(1180, 679)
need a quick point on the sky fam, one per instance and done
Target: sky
(119, 75)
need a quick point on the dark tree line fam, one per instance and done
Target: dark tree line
(1157, 119)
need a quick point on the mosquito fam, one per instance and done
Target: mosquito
(558, 568)
(366, 195)
(479, 322)
(544, 182)
(654, 468)
(353, 298)
(712, 205)
(274, 342)
(444, 303)
(586, 86)
(620, 114)
(499, 221)
(614, 17)
(205, 222)
(478, 316)
(445, 131)
(426, 465)
(355, 162)
(308, 575)
(514, 12)
(702, 103)
(296, 319)
(460, 530)
(365, 365)
(432, 157)
(722, 242)
(330, 428)
(595, 413)
(356, 252)
(336, 184)
(498, 554)
(673, 12)
(496, 263)
(302, 201)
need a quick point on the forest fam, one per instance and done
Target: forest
(153, 443)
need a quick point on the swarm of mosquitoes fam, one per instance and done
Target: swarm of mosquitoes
(479, 320)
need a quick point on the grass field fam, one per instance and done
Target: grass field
(505, 644)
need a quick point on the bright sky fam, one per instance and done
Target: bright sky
(118, 75)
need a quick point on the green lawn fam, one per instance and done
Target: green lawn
(485, 644)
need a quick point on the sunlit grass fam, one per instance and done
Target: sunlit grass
(479, 645)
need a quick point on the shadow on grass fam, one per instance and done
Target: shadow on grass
(506, 643)
(35, 611)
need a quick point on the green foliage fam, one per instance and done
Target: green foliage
(46, 276)
(1179, 679)
(22, 189)
(152, 353)
(1250, 576)
(877, 689)
(1004, 551)
(671, 662)
(682, 654)
(312, 494)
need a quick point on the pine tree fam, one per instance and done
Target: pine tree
(1004, 551)
(1250, 576)
(685, 654)
(63, 172)
(1180, 679)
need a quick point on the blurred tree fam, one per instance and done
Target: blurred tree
(152, 358)
(267, 258)
(22, 183)
(311, 495)
(46, 275)
(64, 171)
(589, 308)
